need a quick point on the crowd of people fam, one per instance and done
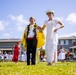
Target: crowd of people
(6, 57)
(62, 56)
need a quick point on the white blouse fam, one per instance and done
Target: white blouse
(31, 33)
(50, 26)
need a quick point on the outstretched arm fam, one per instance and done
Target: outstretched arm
(41, 29)
(44, 26)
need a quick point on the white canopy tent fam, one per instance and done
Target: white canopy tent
(73, 48)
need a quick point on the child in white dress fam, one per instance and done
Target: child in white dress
(61, 56)
(24, 56)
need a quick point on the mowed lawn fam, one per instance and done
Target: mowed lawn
(8, 68)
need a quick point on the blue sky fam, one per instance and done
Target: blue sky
(14, 15)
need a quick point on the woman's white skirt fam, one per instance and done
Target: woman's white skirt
(51, 48)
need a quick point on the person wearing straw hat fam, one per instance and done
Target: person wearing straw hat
(51, 37)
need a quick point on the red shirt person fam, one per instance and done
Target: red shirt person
(16, 49)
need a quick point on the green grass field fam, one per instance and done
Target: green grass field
(8, 68)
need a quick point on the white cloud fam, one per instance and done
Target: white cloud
(71, 18)
(6, 35)
(67, 35)
(20, 28)
(2, 27)
(3, 24)
(20, 22)
(19, 19)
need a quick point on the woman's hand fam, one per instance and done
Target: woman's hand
(61, 26)
(55, 30)
(44, 26)
(39, 28)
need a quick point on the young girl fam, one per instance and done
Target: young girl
(16, 49)
(51, 37)
(62, 55)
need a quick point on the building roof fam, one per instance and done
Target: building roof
(5, 49)
(72, 47)
(67, 38)
(10, 40)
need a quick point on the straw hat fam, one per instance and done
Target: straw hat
(49, 11)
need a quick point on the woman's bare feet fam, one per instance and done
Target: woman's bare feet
(49, 64)
(53, 62)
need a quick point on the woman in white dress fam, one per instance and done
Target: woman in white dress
(51, 37)
(62, 54)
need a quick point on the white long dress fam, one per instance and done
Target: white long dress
(61, 54)
(51, 40)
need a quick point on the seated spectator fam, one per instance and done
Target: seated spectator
(10, 56)
(1, 56)
(5, 56)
